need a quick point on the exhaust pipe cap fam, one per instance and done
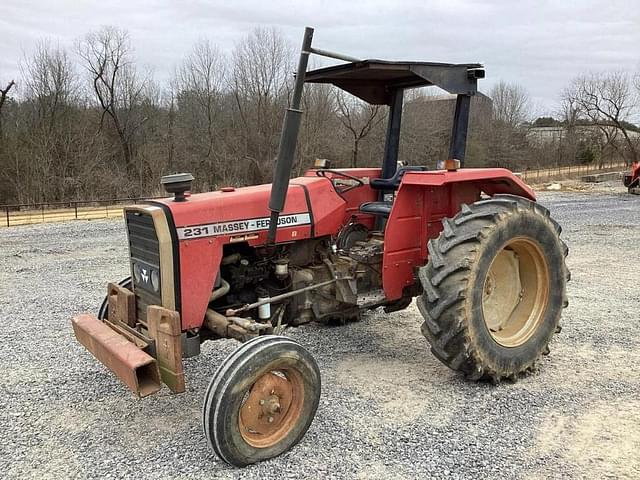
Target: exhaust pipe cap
(178, 184)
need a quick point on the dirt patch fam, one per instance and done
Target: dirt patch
(47, 465)
(401, 391)
(578, 367)
(379, 470)
(602, 442)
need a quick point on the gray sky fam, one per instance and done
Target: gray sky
(539, 44)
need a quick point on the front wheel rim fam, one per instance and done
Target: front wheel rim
(516, 292)
(272, 407)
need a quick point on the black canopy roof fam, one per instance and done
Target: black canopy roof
(375, 80)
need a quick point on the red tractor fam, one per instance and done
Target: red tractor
(632, 180)
(484, 260)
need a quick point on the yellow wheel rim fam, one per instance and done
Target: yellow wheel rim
(516, 292)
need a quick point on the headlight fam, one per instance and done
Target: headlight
(155, 280)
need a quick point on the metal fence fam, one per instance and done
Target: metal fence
(554, 173)
(30, 213)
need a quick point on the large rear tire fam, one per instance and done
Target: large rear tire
(494, 288)
(261, 401)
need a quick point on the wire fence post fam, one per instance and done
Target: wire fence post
(7, 210)
(75, 206)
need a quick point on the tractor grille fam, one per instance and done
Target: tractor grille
(144, 250)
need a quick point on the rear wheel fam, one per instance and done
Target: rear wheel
(494, 287)
(261, 401)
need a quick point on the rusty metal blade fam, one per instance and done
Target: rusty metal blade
(136, 369)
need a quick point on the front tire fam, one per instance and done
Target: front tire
(261, 401)
(494, 288)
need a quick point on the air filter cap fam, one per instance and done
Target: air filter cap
(178, 184)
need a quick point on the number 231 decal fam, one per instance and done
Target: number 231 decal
(241, 226)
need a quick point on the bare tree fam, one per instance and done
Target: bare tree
(426, 126)
(51, 92)
(170, 143)
(319, 129)
(118, 87)
(6, 184)
(261, 82)
(636, 84)
(200, 83)
(4, 94)
(606, 101)
(511, 103)
(569, 112)
(505, 138)
(563, 147)
(50, 82)
(358, 118)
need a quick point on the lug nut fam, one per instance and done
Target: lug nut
(261, 402)
(270, 419)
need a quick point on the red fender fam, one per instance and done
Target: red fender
(423, 200)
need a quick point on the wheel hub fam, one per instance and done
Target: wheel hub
(271, 405)
(271, 408)
(502, 290)
(515, 292)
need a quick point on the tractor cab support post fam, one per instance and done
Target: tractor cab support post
(458, 143)
(392, 145)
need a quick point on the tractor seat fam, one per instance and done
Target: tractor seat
(383, 209)
(393, 183)
(376, 208)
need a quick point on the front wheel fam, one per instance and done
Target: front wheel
(494, 288)
(261, 401)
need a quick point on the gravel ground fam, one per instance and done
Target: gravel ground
(389, 409)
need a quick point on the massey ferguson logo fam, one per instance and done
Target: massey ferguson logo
(241, 226)
(144, 273)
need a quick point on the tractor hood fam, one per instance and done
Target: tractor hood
(312, 208)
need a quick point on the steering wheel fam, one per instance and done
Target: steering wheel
(321, 173)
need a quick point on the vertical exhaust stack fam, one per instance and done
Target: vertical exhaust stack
(288, 141)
